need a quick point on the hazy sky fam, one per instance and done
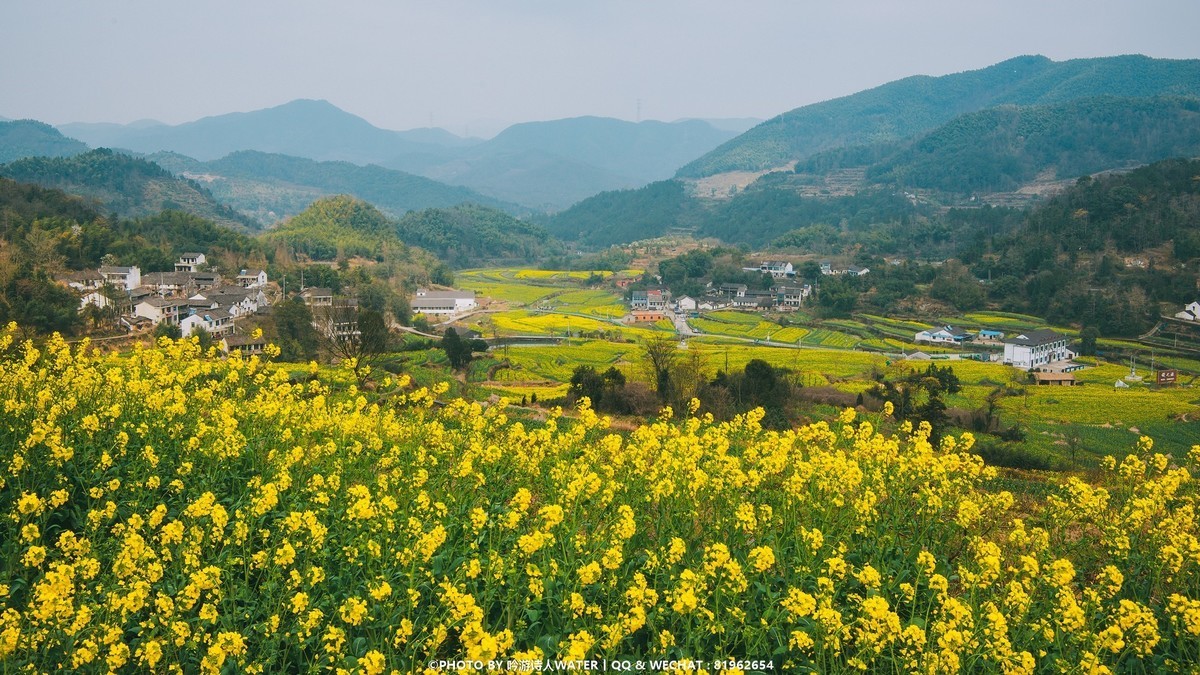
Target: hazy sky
(477, 66)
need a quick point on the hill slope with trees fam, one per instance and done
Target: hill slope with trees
(914, 105)
(127, 186)
(472, 235)
(270, 187)
(27, 138)
(1003, 148)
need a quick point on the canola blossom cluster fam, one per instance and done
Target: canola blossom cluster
(168, 510)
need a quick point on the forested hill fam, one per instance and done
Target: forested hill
(335, 227)
(27, 138)
(73, 234)
(341, 226)
(1144, 209)
(125, 185)
(918, 104)
(1067, 260)
(271, 187)
(626, 215)
(1000, 149)
(472, 235)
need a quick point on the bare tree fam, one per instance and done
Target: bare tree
(350, 334)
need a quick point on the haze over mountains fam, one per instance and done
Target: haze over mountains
(542, 165)
(1009, 134)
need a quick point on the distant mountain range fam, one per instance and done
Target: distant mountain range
(271, 187)
(542, 165)
(1007, 155)
(304, 128)
(918, 104)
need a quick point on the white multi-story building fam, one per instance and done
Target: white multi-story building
(778, 269)
(189, 262)
(252, 278)
(124, 278)
(1036, 348)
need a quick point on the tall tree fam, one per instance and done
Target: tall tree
(298, 339)
(661, 358)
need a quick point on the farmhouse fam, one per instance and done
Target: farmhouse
(946, 335)
(442, 302)
(1191, 312)
(243, 343)
(646, 315)
(190, 262)
(778, 269)
(83, 280)
(791, 296)
(216, 322)
(315, 296)
(1056, 379)
(652, 299)
(158, 310)
(1035, 348)
(686, 304)
(730, 290)
(252, 278)
(125, 278)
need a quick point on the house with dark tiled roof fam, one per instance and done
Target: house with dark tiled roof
(1036, 348)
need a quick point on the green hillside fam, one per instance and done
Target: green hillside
(472, 235)
(1066, 260)
(27, 138)
(626, 215)
(918, 104)
(271, 187)
(334, 227)
(125, 185)
(1000, 149)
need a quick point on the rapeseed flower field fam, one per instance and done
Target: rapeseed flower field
(174, 511)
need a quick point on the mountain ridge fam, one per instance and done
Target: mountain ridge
(915, 104)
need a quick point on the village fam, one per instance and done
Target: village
(194, 299)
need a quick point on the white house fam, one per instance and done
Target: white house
(252, 278)
(158, 310)
(946, 335)
(125, 278)
(1035, 348)
(189, 262)
(792, 296)
(686, 304)
(778, 269)
(442, 302)
(217, 322)
(1191, 312)
(857, 271)
(237, 300)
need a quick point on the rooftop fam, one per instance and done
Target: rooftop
(1034, 338)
